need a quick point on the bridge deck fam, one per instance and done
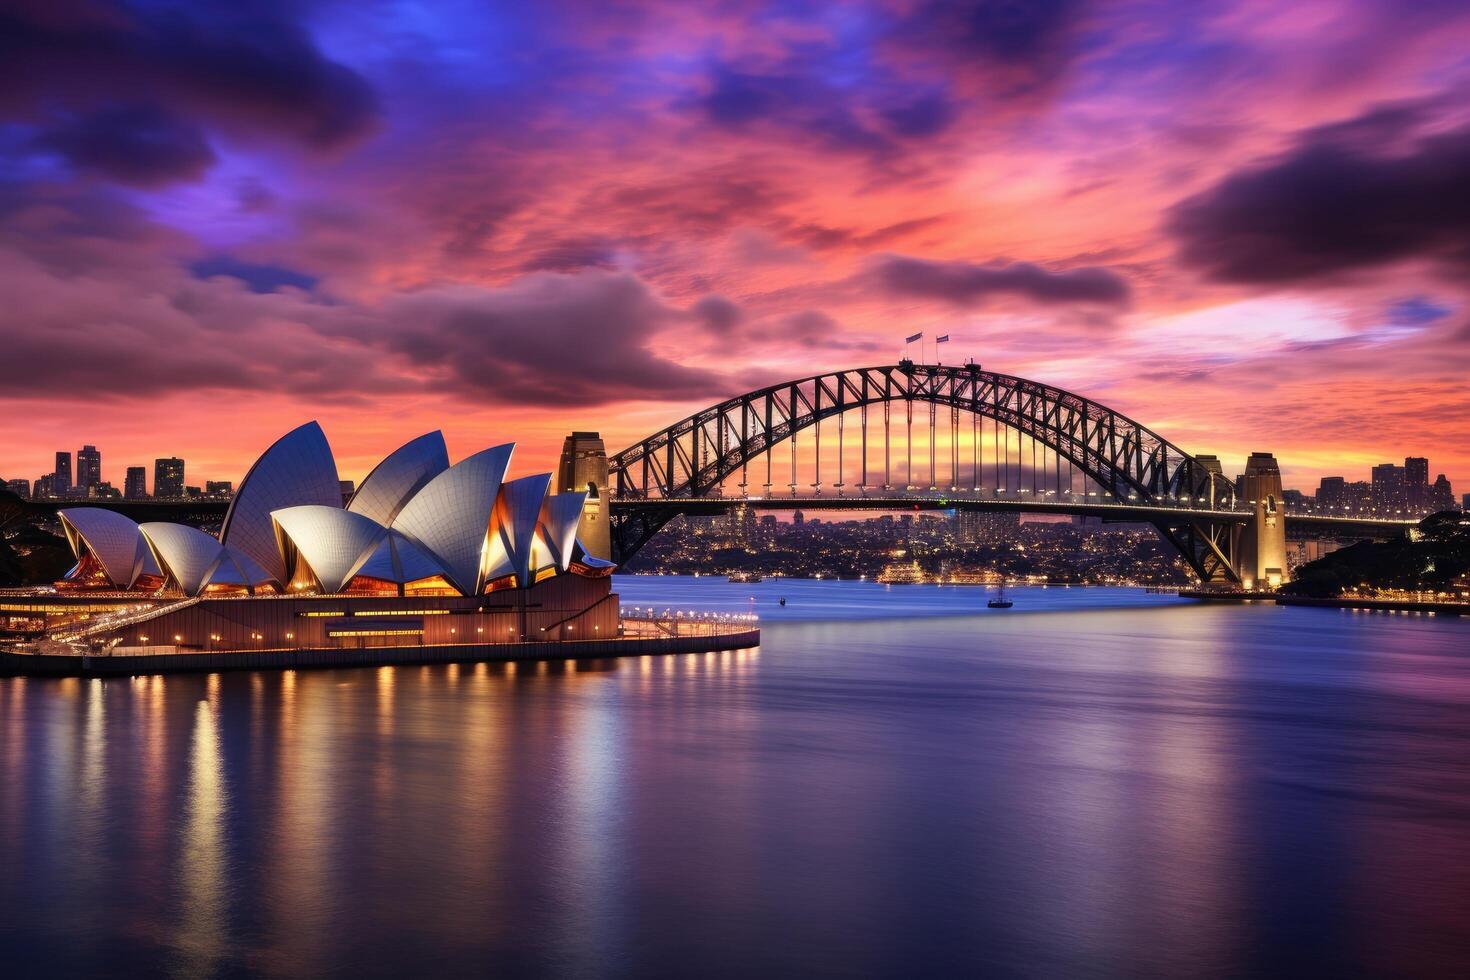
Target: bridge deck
(1021, 504)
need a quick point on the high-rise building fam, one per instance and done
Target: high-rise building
(220, 489)
(135, 487)
(61, 476)
(21, 488)
(347, 488)
(1416, 471)
(1465, 503)
(1441, 495)
(1389, 489)
(1357, 496)
(102, 490)
(1416, 484)
(89, 467)
(1331, 494)
(168, 478)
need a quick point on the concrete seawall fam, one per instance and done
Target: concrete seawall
(105, 666)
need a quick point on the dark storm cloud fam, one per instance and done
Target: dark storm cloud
(717, 314)
(968, 284)
(1017, 48)
(1007, 30)
(257, 277)
(143, 145)
(796, 100)
(547, 338)
(1371, 191)
(232, 67)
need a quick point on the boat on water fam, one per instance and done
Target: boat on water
(1000, 601)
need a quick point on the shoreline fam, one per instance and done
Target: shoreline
(1443, 608)
(62, 665)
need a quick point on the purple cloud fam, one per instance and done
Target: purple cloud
(969, 284)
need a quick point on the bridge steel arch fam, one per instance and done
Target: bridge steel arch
(693, 458)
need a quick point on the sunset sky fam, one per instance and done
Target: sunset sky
(1245, 224)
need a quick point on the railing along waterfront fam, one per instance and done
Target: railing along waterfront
(651, 622)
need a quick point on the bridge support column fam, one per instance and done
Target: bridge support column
(583, 468)
(1261, 559)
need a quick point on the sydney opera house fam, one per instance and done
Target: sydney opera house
(426, 556)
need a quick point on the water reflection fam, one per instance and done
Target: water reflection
(1100, 791)
(202, 935)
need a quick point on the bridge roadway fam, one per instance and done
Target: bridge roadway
(1299, 525)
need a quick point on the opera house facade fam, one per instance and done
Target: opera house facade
(425, 556)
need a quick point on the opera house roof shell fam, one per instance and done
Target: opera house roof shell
(415, 523)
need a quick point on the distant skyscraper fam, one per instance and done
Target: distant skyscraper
(135, 487)
(1465, 503)
(1416, 484)
(1389, 489)
(61, 476)
(1441, 495)
(89, 467)
(168, 478)
(1331, 494)
(44, 487)
(348, 488)
(218, 488)
(21, 488)
(798, 518)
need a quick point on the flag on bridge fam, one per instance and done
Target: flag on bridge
(943, 340)
(910, 340)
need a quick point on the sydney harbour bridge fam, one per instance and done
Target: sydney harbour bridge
(846, 440)
(921, 436)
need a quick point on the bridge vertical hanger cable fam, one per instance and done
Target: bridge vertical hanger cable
(840, 448)
(933, 407)
(995, 451)
(1033, 466)
(887, 475)
(909, 446)
(864, 485)
(974, 452)
(817, 428)
(954, 447)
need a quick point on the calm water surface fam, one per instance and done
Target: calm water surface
(899, 782)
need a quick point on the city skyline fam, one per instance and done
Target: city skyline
(1411, 488)
(590, 217)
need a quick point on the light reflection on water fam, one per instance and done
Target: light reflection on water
(1093, 783)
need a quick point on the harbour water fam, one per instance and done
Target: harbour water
(899, 782)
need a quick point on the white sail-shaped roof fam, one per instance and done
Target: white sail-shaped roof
(251, 573)
(226, 572)
(114, 540)
(512, 545)
(395, 480)
(560, 516)
(397, 559)
(450, 516)
(333, 542)
(186, 554)
(297, 469)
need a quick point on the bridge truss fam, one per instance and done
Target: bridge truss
(1113, 456)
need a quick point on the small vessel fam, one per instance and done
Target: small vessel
(1000, 601)
(783, 600)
